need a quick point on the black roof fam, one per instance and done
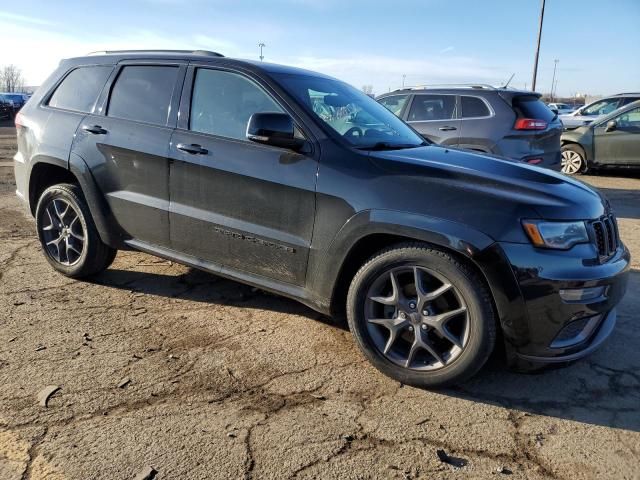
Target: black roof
(116, 56)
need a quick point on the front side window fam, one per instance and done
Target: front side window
(356, 117)
(143, 93)
(603, 107)
(473, 107)
(222, 103)
(394, 103)
(80, 89)
(629, 120)
(432, 107)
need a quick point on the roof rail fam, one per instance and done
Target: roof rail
(192, 52)
(482, 86)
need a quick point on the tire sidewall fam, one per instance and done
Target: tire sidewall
(67, 194)
(580, 153)
(481, 333)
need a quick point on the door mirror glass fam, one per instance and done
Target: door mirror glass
(611, 126)
(276, 129)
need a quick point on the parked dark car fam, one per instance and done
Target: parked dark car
(18, 99)
(300, 184)
(596, 110)
(612, 140)
(6, 108)
(510, 123)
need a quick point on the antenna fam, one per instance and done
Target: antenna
(509, 81)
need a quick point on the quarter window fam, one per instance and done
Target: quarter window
(143, 93)
(394, 103)
(432, 107)
(473, 107)
(80, 89)
(222, 103)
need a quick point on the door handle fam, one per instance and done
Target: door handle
(447, 129)
(95, 129)
(192, 148)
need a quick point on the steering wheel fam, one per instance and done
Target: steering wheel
(352, 132)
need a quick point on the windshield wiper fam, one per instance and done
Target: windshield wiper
(390, 146)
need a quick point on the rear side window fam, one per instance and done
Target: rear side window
(80, 89)
(432, 107)
(473, 107)
(223, 102)
(143, 93)
(394, 103)
(529, 106)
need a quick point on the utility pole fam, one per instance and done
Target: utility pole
(261, 45)
(553, 80)
(535, 63)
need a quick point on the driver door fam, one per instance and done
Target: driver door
(620, 146)
(236, 203)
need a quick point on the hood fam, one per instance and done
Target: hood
(573, 121)
(499, 182)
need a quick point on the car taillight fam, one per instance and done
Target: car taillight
(530, 124)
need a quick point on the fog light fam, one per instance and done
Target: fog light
(583, 295)
(575, 332)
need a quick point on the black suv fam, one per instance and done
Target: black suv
(510, 123)
(300, 184)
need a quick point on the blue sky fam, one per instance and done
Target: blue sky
(361, 42)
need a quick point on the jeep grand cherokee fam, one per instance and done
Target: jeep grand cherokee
(300, 184)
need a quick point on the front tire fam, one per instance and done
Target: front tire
(421, 316)
(574, 160)
(68, 235)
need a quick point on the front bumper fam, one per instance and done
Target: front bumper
(543, 326)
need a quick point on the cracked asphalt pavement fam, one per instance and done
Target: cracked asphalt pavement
(198, 377)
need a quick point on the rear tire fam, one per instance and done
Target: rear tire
(438, 330)
(68, 235)
(574, 160)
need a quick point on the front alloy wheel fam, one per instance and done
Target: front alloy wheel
(572, 161)
(421, 315)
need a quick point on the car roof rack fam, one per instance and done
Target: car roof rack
(190, 52)
(479, 86)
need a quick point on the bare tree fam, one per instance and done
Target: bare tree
(11, 79)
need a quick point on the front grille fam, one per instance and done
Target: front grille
(605, 233)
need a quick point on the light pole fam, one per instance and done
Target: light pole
(553, 80)
(535, 63)
(403, 79)
(261, 45)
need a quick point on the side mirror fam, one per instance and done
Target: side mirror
(611, 126)
(276, 129)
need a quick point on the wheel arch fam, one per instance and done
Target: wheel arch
(45, 172)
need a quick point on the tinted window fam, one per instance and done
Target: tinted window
(529, 106)
(603, 107)
(394, 103)
(474, 107)
(432, 107)
(223, 102)
(143, 93)
(80, 89)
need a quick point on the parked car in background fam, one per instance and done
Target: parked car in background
(6, 108)
(560, 108)
(592, 112)
(510, 123)
(612, 140)
(18, 99)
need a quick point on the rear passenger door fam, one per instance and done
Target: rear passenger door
(435, 117)
(477, 130)
(126, 144)
(236, 203)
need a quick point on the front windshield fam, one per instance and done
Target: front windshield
(358, 118)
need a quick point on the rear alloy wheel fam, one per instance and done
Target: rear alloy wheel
(69, 237)
(421, 316)
(573, 161)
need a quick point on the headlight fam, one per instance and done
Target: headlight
(559, 235)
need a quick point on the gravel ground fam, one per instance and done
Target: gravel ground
(163, 366)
